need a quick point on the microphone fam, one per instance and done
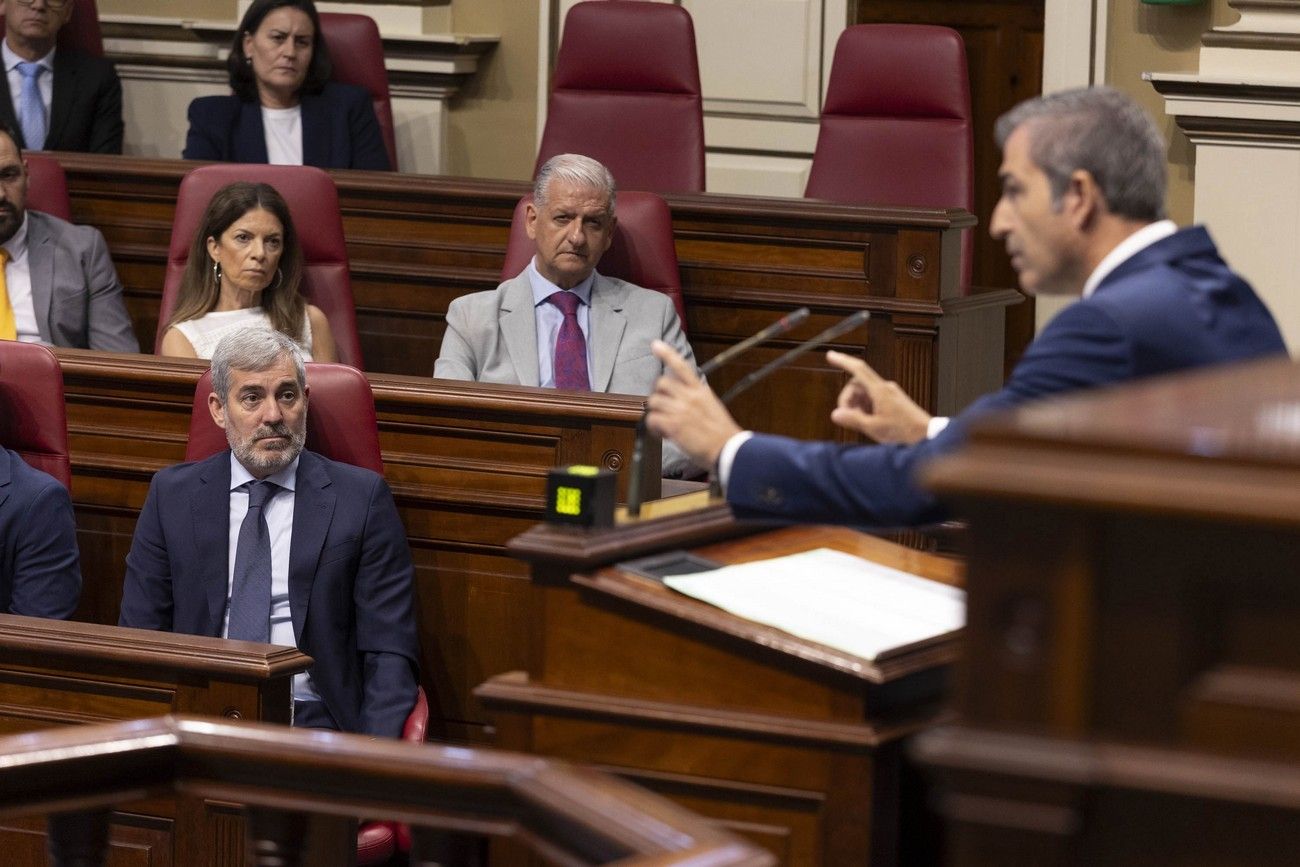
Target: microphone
(845, 325)
(776, 329)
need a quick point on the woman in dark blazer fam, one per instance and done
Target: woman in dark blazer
(284, 109)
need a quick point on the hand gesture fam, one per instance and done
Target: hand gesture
(872, 405)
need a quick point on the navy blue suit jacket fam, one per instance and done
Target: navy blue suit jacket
(350, 574)
(339, 130)
(39, 571)
(1172, 306)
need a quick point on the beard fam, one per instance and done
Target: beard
(10, 219)
(263, 463)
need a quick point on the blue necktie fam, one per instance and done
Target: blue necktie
(250, 597)
(31, 108)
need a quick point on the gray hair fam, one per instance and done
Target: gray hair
(1103, 132)
(254, 349)
(577, 170)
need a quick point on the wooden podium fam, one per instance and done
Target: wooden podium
(790, 743)
(1131, 688)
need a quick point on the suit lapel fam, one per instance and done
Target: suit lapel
(313, 509)
(5, 474)
(40, 262)
(210, 510)
(65, 85)
(607, 326)
(315, 132)
(518, 323)
(250, 135)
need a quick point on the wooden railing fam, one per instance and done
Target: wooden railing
(565, 814)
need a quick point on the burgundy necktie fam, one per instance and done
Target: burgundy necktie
(570, 363)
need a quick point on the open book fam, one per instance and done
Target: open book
(835, 599)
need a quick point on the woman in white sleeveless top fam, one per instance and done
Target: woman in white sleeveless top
(244, 271)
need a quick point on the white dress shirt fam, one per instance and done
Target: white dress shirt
(45, 83)
(18, 280)
(278, 512)
(550, 318)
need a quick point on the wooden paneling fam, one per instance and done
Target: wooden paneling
(415, 243)
(1004, 52)
(1132, 684)
(789, 743)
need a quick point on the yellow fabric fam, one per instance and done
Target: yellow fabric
(8, 325)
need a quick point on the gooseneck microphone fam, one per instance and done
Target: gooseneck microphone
(783, 325)
(845, 325)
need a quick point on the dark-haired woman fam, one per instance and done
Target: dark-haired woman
(245, 271)
(284, 109)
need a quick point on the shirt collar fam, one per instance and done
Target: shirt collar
(17, 245)
(11, 59)
(285, 478)
(543, 288)
(1127, 249)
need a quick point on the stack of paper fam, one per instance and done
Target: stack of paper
(833, 598)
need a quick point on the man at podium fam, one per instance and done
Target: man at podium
(1081, 212)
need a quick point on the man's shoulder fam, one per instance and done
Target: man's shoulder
(63, 232)
(339, 472)
(84, 63)
(26, 482)
(488, 299)
(630, 293)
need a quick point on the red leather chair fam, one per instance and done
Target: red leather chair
(379, 841)
(627, 92)
(340, 418)
(47, 186)
(357, 52)
(33, 417)
(82, 32)
(896, 127)
(642, 251)
(314, 205)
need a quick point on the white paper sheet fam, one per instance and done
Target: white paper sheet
(833, 598)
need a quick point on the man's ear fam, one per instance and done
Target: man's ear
(1082, 201)
(530, 220)
(217, 409)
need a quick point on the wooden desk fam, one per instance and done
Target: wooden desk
(1131, 690)
(416, 242)
(787, 742)
(467, 464)
(55, 674)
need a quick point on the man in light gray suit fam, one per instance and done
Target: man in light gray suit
(59, 285)
(560, 323)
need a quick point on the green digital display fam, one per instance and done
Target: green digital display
(568, 501)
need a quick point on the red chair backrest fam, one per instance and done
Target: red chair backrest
(314, 206)
(626, 92)
(896, 127)
(357, 52)
(33, 416)
(47, 186)
(82, 32)
(642, 251)
(340, 418)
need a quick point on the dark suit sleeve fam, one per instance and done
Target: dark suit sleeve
(147, 592)
(106, 126)
(876, 485)
(385, 613)
(207, 136)
(368, 151)
(47, 574)
(110, 328)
